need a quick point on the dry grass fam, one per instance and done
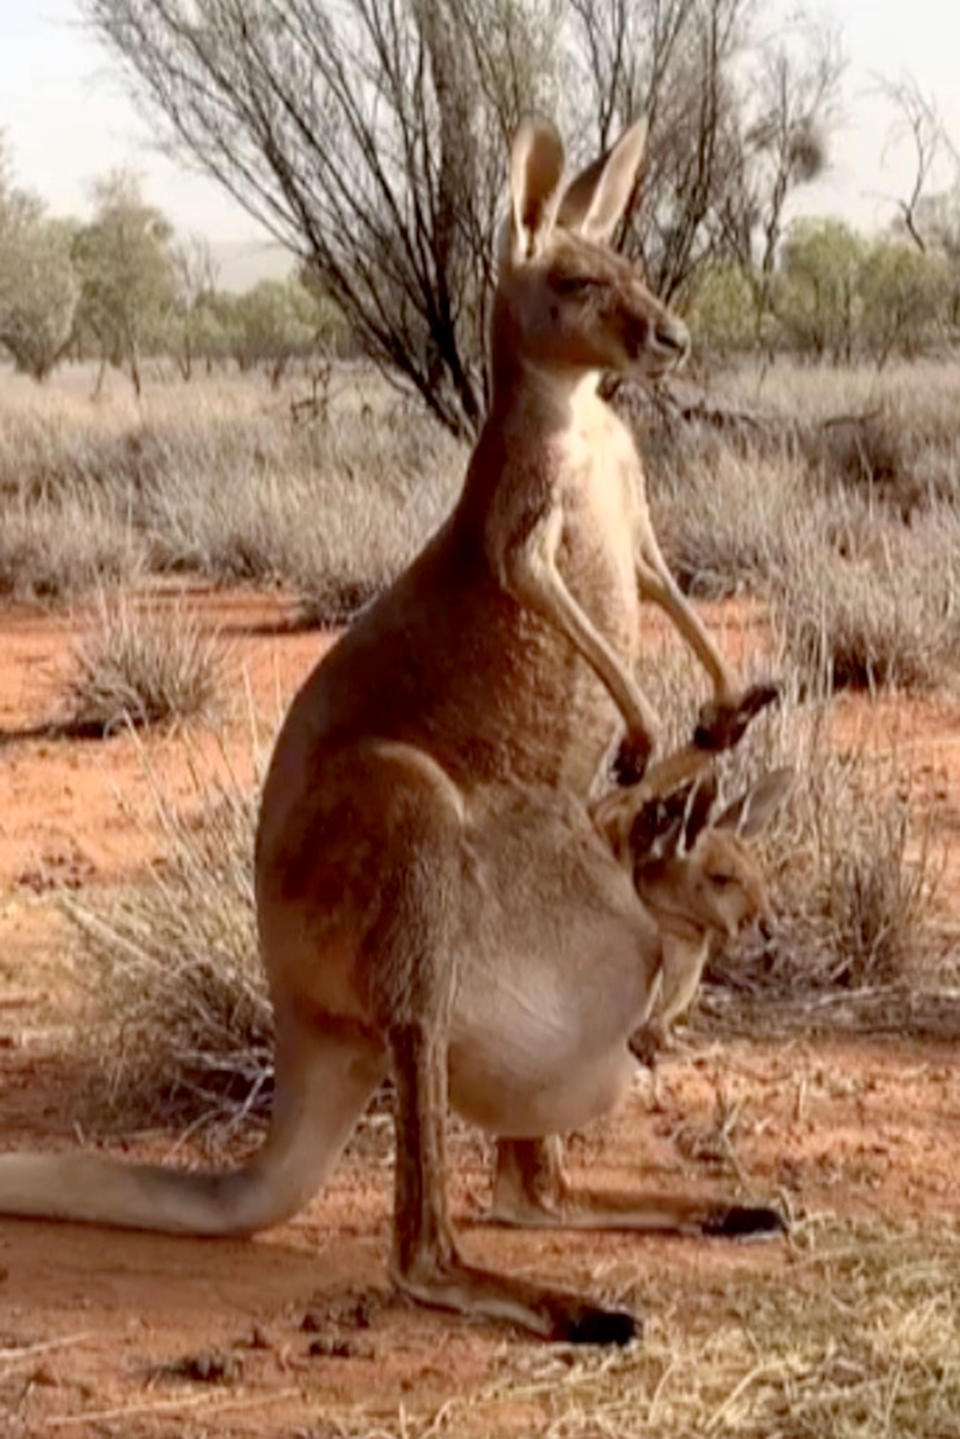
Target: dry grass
(58, 549)
(853, 1336)
(886, 617)
(184, 1027)
(139, 667)
(853, 860)
(217, 478)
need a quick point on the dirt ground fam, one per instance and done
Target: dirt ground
(296, 1332)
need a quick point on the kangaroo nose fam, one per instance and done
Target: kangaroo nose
(672, 334)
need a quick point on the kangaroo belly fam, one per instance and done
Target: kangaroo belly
(526, 1060)
(555, 972)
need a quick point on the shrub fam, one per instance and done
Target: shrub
(57, 550)
(184, 1027)
(138, 667)
(890, 618)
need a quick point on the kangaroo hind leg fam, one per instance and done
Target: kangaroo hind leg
(323, 1081)
(411, 957)
(531, 1190)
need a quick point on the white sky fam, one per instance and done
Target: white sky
(66, 118)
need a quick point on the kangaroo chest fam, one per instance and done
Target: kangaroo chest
(599, 483)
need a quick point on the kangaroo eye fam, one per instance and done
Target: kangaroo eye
(720, 879)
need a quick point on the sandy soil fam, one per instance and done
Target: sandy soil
(296, 1332)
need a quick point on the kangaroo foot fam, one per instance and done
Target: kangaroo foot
(721, 724)
(549, 1313)
(745, 1221)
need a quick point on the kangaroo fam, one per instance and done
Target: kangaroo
(699, 879)
(696, 879)
(422, 904)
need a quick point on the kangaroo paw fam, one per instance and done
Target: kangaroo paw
(721, 724)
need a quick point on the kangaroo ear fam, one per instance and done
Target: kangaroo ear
(536, 165)
(749, 814)
(594, 202)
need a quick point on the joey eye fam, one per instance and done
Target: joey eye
(572, 284)
(720, 879)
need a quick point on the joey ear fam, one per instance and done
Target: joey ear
(749, 814)
(669, 842)
(536, 165)
(594, 202)
(699, 806)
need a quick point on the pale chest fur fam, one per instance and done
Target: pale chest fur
(599, 483)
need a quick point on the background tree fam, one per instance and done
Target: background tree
(271, 324)
(902, 291)
(38, 285)
(721, 310)
(191, 331)
(817, 295)
(370, 138)
(127, 271)
(781, 143)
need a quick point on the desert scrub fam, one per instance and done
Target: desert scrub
(182, 1025)
(888, 616)
(852, 856)
(731, 525)
(216, 478)
(141, 666)
(57, 550)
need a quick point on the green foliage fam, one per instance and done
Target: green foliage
(838, 296)
(126, 267)
(816, 299)
(722, 312)
(270, 325)
(38, 290)
(902, 292)
(38, 287)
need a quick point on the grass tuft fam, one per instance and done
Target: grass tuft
(139, 667)
(184, 1026)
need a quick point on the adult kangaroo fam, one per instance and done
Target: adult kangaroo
(422, 823)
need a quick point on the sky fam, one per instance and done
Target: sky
(67, 119)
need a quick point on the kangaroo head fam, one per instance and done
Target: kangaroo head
(565, 301)
(707, 872)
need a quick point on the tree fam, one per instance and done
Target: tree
(721, 312)
(370, 138)
(127, 273)
(271, 324)
(816, 298)
(918, 123)
(190, 331)
(782, 144)
(38, 289)
(38, 286)
(902, 290)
